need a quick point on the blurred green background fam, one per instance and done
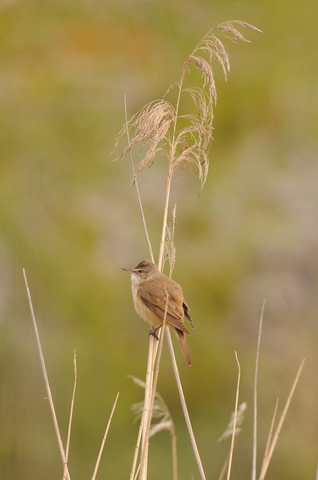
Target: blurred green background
(69, 217)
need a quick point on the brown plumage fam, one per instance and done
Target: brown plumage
(152, 290)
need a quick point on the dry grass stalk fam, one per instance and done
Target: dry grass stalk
(172, 429)
(170, 255)
(151, 395)
(162, 413)
(239, 417)
(255, 393)
(184, 407)
(137, 187)
(268, 457)
(64, 453)
(143, 434)
(235, 418)
(269, 438)
(104, 438)
(159, 351)
(70, 418)
(147, 408)
(224, 467)
(46, 381)
(133, 473)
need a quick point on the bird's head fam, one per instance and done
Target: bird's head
(143, 270)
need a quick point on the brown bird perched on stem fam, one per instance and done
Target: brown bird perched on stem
(153, 293)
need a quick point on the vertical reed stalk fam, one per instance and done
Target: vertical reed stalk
(155, 128)
(68, 440)
(146, 417)
(170, 173)
(255, 393)
(235, 418)
(184, 407)
(99, 456)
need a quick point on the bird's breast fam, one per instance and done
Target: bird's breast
(145, 312)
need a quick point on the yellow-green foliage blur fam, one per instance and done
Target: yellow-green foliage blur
(70, 217)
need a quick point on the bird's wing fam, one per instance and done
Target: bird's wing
(155, 298)
(186, 310)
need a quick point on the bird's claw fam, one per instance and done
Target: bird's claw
(153, 333)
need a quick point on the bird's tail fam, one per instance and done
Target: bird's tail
(184, 346)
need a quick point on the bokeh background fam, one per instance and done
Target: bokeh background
(69, 216)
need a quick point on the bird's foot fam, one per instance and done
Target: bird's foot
(153, 333)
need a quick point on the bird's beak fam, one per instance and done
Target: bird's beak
(126, 269)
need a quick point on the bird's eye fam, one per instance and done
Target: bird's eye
(139, 271)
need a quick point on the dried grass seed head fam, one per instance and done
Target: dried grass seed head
(233, 33)
(207, 73)
(149, 127)
(188, 145)
(239, 421)
(212, 45)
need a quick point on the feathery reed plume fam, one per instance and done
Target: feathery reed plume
(154, 127)
(232, 33)
(170, 249)
(239, 420)
(150, 126)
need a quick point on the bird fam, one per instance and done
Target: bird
(153, 292)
